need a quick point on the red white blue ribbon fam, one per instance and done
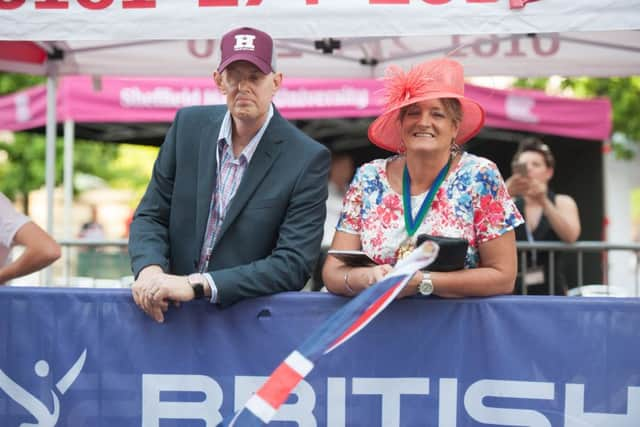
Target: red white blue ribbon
(335, 331)
(519, 4)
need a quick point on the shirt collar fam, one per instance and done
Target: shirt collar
(224, 135)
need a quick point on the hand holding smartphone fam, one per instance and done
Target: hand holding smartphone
(353, 258)
(520, 169)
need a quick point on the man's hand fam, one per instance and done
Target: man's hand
(154, 290)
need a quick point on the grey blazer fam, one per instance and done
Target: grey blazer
(270, 237)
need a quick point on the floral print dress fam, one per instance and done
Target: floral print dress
(472, 203)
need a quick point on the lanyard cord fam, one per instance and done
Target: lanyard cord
(530, 239)
(410, 223)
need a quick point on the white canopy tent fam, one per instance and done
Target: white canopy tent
(607, 53)
(178, 38)
(316, 38)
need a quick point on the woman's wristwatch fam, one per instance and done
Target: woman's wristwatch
(426, 285)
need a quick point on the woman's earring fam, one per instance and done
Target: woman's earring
(455, 148)
(402, 148)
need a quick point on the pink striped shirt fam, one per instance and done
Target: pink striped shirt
(230, 173)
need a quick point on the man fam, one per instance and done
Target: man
(236, 204)
(17, 229)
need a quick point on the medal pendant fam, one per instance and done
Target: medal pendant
(405, 248)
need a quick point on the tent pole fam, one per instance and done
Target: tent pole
(52, 81)
(69, 136)
(607, 157)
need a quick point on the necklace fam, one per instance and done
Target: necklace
(410, 223)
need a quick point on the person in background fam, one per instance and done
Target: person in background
(430, 187)
(236, 203)
(127, 222)
(16, 229)
(92, 229)
(340, 175)
(548, 216)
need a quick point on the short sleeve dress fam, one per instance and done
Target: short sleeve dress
(472, 203)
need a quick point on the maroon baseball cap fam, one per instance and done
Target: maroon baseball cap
(247, 44)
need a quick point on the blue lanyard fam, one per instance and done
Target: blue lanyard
(410, 223)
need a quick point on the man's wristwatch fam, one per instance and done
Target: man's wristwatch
(426, 285)
(197, 282)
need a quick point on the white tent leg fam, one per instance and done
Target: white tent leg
(69, 137)
(52, 83)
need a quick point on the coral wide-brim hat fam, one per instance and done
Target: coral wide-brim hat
(439, 78)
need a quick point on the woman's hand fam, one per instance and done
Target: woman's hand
(374, 274)
(518, 185)
(412, 287)
(537, 191)
(358, 279)
(341, 279)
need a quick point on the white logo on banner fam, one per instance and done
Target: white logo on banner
(31, 403)
(520, 108)
(23, 113)
(452, 396)
(244, 42)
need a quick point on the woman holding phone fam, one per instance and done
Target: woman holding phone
(429, 187)
(548, 216)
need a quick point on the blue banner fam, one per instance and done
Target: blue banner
(71, 357)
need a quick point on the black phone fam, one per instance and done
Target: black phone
(452, 253)
(353, 258)
(520, 169)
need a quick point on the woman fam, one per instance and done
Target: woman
(548, 216)
(446, 192)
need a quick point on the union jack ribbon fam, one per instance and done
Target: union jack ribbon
(519, 4)
(335, 331)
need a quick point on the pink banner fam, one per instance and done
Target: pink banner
(533, 111)
(140, 100)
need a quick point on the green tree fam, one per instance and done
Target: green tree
(20, 169)
(23, 168)
(11, 82)
(624, 93)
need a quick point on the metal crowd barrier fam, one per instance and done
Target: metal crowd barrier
(99, 259)
(579, 248)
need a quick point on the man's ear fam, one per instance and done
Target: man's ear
(277, 81)
(217, 78)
